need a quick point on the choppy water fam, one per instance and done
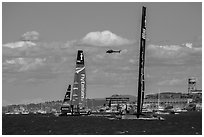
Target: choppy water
(183, 124)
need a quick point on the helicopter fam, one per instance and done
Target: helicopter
(113, 51)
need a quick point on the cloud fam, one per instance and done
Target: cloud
(20, 44)
(32, 64)
(30, 36)
(23, 64)
(164, 51)
(104, 38)
(173, 51)
(171, 82)
(185, 54)
(49, 60)
(189, 45)
(32, 61)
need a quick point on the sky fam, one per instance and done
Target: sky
(40, 43)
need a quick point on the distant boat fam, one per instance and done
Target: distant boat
(41, 112)
(9, 113)
(162, 113)
(25, 112)
(178, 110)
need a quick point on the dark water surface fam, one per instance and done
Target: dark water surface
(183, 124)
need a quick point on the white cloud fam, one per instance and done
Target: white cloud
(172, 51)
(70, 43)
(29, 56)
(104, 38)
(24, 64)
(171, 82)
(20, 44)
(56, 58)
(32, 64)
(30, 36)
(189, 45)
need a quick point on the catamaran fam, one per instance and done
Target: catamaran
(75, 102)
(141, 81)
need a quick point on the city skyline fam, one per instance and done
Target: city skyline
(40, 43)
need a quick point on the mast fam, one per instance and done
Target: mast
(141, 82)
(158, 100)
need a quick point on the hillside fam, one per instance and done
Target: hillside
(54, 106)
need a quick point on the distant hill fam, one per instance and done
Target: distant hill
(55, 105)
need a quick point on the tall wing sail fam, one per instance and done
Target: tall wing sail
(141, 83)
(67, 101)
(79, 85)
(67, 97)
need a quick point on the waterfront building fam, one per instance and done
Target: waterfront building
(175, 100)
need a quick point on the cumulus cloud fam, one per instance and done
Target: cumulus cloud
(173, 51)
(189, 45)
(23, 64)
(57, 58)
(164, 51)
(32, 64)
(186, 54)
(20, 44)
(36, 57)
(30, 36)
(104, 38)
